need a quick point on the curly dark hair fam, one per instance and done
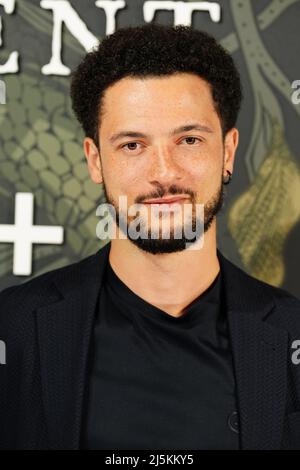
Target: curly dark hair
(153, 50)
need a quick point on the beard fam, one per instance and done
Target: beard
(170, 244)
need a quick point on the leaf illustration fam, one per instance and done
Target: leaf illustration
(262, 217)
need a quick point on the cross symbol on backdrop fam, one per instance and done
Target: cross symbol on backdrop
(23, 234)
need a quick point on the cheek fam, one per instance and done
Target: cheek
(123, 181)
(206, 170)
(205, 159)
(205, 177)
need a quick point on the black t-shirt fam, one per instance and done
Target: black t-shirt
(158, 381)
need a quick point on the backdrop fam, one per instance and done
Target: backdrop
(41, 142)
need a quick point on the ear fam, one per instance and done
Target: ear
(93, 160)
(230, 146)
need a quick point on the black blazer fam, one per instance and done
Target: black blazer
(46, 324)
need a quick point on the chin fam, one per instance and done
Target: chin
(162, 246)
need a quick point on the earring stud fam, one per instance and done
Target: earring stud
(227, 178)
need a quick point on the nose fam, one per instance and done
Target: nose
(163, 167)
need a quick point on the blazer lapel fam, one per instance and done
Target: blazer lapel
(64, 332)
(260, 358)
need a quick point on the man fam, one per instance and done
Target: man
(155, 341)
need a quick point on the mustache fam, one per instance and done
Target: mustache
(161, 192)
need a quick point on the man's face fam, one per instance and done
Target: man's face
(147, 151)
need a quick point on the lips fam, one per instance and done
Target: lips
(165, 200)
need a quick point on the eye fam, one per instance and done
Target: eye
(130, 145)
(191, 140)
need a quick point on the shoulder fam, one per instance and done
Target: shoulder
(286, 306)
(20, 299)
(251, 293)
(280, 295)
(284, 299)
(287, 310)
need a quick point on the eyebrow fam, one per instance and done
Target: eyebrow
(177, 130)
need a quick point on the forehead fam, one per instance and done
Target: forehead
(142, 99)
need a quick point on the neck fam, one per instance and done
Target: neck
(169, 281)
